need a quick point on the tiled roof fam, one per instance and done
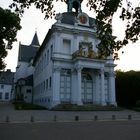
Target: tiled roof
(7, 77)
(35, 41)
(26, 52)
(69, 18)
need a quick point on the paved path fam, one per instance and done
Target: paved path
(7, 113)
(99, 130)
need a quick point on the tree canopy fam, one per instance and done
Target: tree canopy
(127, 88)
(105, 10)
(9, 25)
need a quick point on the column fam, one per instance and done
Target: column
(102, 88)
(97, 88)
(73, 86)
(79, 82)
(93, 88)
(56, 86)
(112, 97)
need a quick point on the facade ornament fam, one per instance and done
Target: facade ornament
(102, 71)
(76, 4)
(76, 21)
(75, 32)
(78, 68)
(112, 74)
(94, 26)
(73, 70)
(85, 50)
(56, 69)
(83, 19)
(58, 17)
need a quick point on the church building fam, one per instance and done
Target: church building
(23, 78)
(66, 67)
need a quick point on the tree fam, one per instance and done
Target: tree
(105, 10)
(127, 88)
(9, 25)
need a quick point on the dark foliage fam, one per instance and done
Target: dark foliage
(105, 10)
(9, 25)
(86, 107)
(27, 106)
(127, 88)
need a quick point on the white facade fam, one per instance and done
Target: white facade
(23, 79)
(5, 92)
(6, 85)
(23, 70)
(67, 69)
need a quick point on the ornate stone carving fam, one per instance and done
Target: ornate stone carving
(58, 17)
(112, 74)
(73, 70)
(85, 50)
(75, 21)
(102, 71)
(78, 68)
(56, 69)
(76, 4)
(83, 19)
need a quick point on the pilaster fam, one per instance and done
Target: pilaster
(79, 82)
(97, 88)
(75, 35)
(74, 86)
(102, 88)
(112, 97)
(56, 86)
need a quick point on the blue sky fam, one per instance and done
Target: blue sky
(33, 19)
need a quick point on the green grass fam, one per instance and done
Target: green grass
(86, 107)
(136, 109)
(27, 106)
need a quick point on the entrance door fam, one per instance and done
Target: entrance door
(87, 89)
(65, 86)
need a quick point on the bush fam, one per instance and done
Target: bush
(138, 103)
(86, 107)
(27, 106)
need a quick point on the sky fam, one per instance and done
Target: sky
(33, 20)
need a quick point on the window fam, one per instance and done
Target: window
(6, 95)
(50, 84)
(44, 85)
(47, 84)
(51, 50)
(48, 56)
(44, 59)
(28, 91)
(66, 43)
(2, 86)
(66, 46)
(0, 95)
